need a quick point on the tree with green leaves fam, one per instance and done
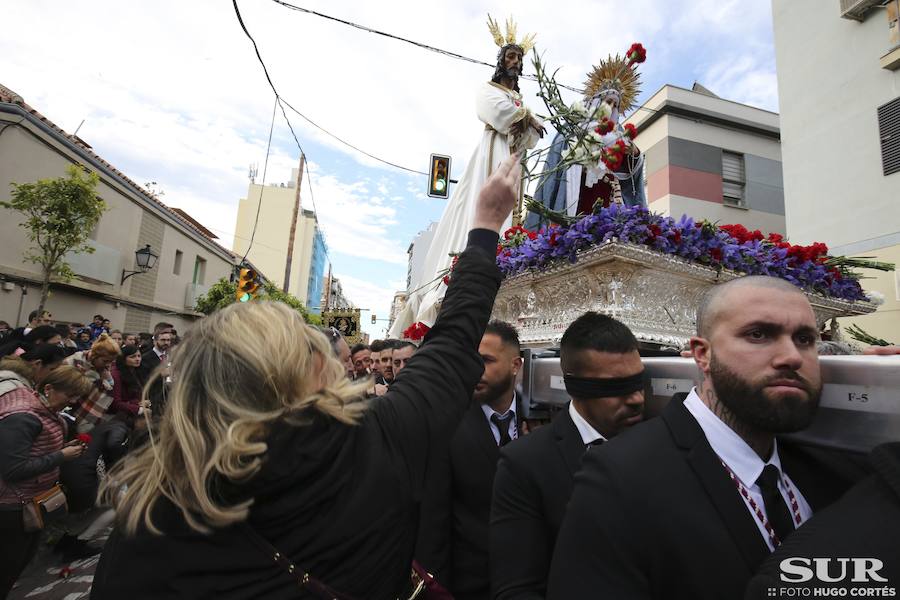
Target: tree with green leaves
(222, 293)
(60, 214)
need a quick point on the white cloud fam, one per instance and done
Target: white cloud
(354, 224)
(746, 79)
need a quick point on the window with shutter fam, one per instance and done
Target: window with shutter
(889, 133)
(733, 179)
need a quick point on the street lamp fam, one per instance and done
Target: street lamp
(145, 259)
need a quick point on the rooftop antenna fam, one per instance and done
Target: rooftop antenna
(254, 170)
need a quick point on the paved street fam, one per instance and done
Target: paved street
(45, 579)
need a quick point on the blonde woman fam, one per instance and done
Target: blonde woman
(269, 476)
(95, 363)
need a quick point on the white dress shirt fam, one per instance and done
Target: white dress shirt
(744, 462)
(588, 433)
(513, 429)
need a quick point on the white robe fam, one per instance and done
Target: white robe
(499, 109)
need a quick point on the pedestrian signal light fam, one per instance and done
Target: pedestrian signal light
(248, 284)
(373, 319)
(439, 176)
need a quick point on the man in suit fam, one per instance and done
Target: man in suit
(150, 360)
(604, 377)
(453, 532)
(688, 505)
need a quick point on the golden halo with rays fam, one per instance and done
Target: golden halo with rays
(614, 73)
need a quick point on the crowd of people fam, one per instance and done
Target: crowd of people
(71, 407)
(285, 463)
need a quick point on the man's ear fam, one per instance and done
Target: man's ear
(701, 351)
(517, 365)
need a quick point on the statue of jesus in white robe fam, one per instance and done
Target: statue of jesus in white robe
(509, 127)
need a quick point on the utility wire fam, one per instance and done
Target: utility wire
(408, 41)
(312, 197)
(265, 167)
(307, 119)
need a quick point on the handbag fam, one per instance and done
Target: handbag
(425, 586)
(46, 505)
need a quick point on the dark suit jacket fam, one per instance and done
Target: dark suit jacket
(455, 512)
(531, 489)
(865, 523)
(654, 514)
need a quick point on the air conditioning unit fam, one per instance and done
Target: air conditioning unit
(8, 286)
(857, 9)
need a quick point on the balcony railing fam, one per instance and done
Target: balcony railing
(192, 293)
(104, 265)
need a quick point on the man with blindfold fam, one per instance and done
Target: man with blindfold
(689, 504)
(604, 377)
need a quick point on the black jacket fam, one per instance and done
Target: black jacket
(453, 539)
(654, 514)
(340, 501)
(531, 489)
(865, 523)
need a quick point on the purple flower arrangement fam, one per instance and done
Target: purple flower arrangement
(720, 247)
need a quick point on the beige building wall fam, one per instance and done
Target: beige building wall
(270, 244)
(830, 84)
(32, 148)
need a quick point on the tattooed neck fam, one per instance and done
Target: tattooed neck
(760, 441)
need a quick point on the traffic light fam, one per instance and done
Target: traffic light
(373, 319)
(439, 176)
(248, 284)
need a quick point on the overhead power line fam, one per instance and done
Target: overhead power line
(265, 167)
(303, 116)
(406, 40)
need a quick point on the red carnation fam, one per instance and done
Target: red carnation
(636, 54)
(655, 230)
(630, 131)
(776, 238)
(84, 438)
(416, 331)
(677, 237)
(716, 254)
(605, 126)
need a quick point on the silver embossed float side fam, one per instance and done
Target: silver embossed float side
(655, 294)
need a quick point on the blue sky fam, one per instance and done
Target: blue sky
(171, 92)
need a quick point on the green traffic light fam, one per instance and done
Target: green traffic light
(245, 297)
(439, 185)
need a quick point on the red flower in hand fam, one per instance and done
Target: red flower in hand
(630, 131)
(84, 438)
(416, 331)
(636, 54)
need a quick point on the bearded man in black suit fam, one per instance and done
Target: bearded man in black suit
(689, 504)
